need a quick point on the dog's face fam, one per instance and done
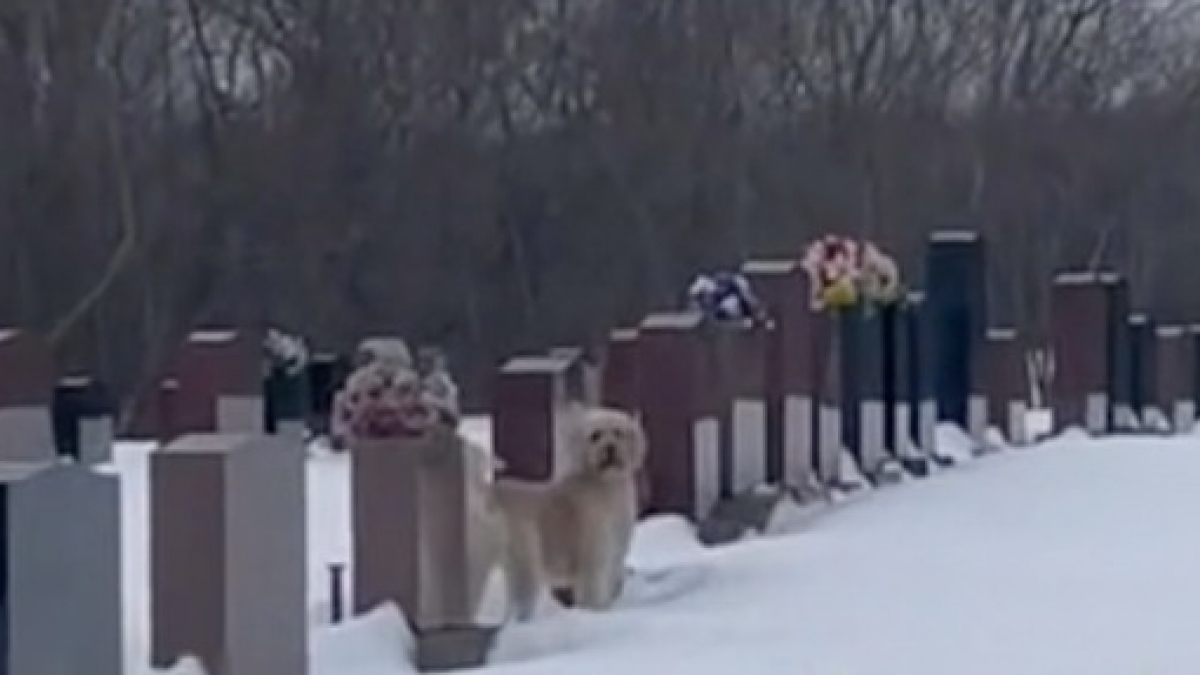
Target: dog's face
(614, 443)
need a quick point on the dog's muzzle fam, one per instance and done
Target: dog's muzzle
(610, 457)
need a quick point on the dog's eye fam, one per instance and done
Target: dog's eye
(594, 437)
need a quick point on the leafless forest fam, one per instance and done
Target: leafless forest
(498, 174)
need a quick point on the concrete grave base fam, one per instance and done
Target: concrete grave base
(449, 648)
(732, 519)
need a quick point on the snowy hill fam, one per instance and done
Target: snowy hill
(1071, 557)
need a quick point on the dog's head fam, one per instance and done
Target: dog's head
(613, 443)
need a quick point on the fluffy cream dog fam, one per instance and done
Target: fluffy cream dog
(572, 534)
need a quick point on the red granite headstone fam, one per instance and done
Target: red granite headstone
(737, 355)
(619, 387)
(681, 415)
(1004, 383)
(1080, 317)
(1175, 396)
(26, 395)
(530, 402)
(219, 376)
(793, 368)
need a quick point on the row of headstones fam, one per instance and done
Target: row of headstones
(731, 406)
(1117, 370)
(228, 550)
(215, 382)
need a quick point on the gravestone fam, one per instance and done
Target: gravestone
(413, 537)
(864, 414)
(738, 361)
(26, 395)
(898, 408)
(1117, 352)
(220, 383)
(60, 602)
(531, 407)
(83, 414)
(1194, 339)
(619, 387)
(1143, 371)
(1175, 396)
(793, 364)
(1004, 385)
(582, 386)
(831, 391)
(327, 374)
(681, 415)
(228, 551)
(1083, 304)
(286, 400)
(920, 384)
(956, 299)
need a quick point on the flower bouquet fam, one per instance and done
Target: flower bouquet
(845, 273)
(381, 402)
(725, 297)
(285, 353)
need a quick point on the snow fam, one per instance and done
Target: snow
(1072, 556)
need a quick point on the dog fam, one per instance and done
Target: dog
(573, 533)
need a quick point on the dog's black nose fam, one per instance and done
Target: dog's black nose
(609, 456)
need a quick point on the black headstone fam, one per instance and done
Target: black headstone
(77, 398)
(286, 397)
(326, 375)
(1140, 333)
(918, 343)
(956, 298)
(895, 375)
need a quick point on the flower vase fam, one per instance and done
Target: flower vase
(287, 401)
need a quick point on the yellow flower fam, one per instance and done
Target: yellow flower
(842, 293)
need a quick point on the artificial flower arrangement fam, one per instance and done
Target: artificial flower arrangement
(390, 398)
(724, 296)
(844, 273)
(285, 352)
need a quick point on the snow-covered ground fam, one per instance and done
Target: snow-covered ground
(1074, 556)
